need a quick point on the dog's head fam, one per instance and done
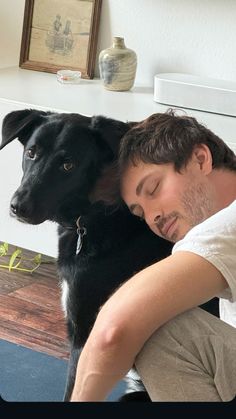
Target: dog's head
(64, 156)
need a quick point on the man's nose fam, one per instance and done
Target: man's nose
(152, 216)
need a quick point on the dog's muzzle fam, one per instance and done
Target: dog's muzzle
(23, 208)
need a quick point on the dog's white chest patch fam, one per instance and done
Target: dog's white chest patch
(64, 295)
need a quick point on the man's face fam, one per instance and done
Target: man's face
(170, 202)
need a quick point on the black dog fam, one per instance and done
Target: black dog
(64, 162)
(67, 163)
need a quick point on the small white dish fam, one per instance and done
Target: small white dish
(68, 76)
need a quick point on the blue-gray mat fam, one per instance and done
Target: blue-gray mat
(30, 376)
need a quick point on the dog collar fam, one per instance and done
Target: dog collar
(81, 231)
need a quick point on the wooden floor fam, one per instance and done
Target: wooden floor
(30, 310)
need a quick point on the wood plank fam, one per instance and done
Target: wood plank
(10, 282)
(47, 261)
(30, 308)
(34, 339)
(41, 294)
(58, 329)
(45, 279)
(30, 314)
(48, 270)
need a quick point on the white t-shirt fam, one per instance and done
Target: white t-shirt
(215, 240)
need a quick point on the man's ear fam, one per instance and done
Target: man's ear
(111, 131)
(20, 124)
(203, 157)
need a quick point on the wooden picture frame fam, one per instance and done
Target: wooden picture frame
(60, 34)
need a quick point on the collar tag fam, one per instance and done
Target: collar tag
(81, 231)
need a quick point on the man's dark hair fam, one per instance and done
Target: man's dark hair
(171, 138)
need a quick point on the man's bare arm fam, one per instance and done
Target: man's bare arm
(134, 312)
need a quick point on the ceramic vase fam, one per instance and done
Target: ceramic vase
(117, 66)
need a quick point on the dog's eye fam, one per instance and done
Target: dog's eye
(68, 166)
(31, 153)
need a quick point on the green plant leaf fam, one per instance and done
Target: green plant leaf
(13, 258)
(38, 259)
(3, 249)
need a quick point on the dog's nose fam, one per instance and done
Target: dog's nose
(18, 207)
(13, 208)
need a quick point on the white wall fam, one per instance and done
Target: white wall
(11, 22)
(191, 36)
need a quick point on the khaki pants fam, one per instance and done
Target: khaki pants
(190, 358)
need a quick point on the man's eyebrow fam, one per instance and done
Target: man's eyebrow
(140, 185)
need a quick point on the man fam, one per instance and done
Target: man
(181, 179)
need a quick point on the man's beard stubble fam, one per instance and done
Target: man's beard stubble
(197, 204)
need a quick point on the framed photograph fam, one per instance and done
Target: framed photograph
(60, 34)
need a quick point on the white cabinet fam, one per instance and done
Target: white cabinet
(20, 89)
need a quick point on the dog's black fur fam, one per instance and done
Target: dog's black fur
(116, 244)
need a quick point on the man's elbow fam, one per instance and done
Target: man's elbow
(110, 335)
(109, 338)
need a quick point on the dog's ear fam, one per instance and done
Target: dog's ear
(111, 130)
(20, 124)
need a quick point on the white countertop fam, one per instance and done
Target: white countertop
(89, 97)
